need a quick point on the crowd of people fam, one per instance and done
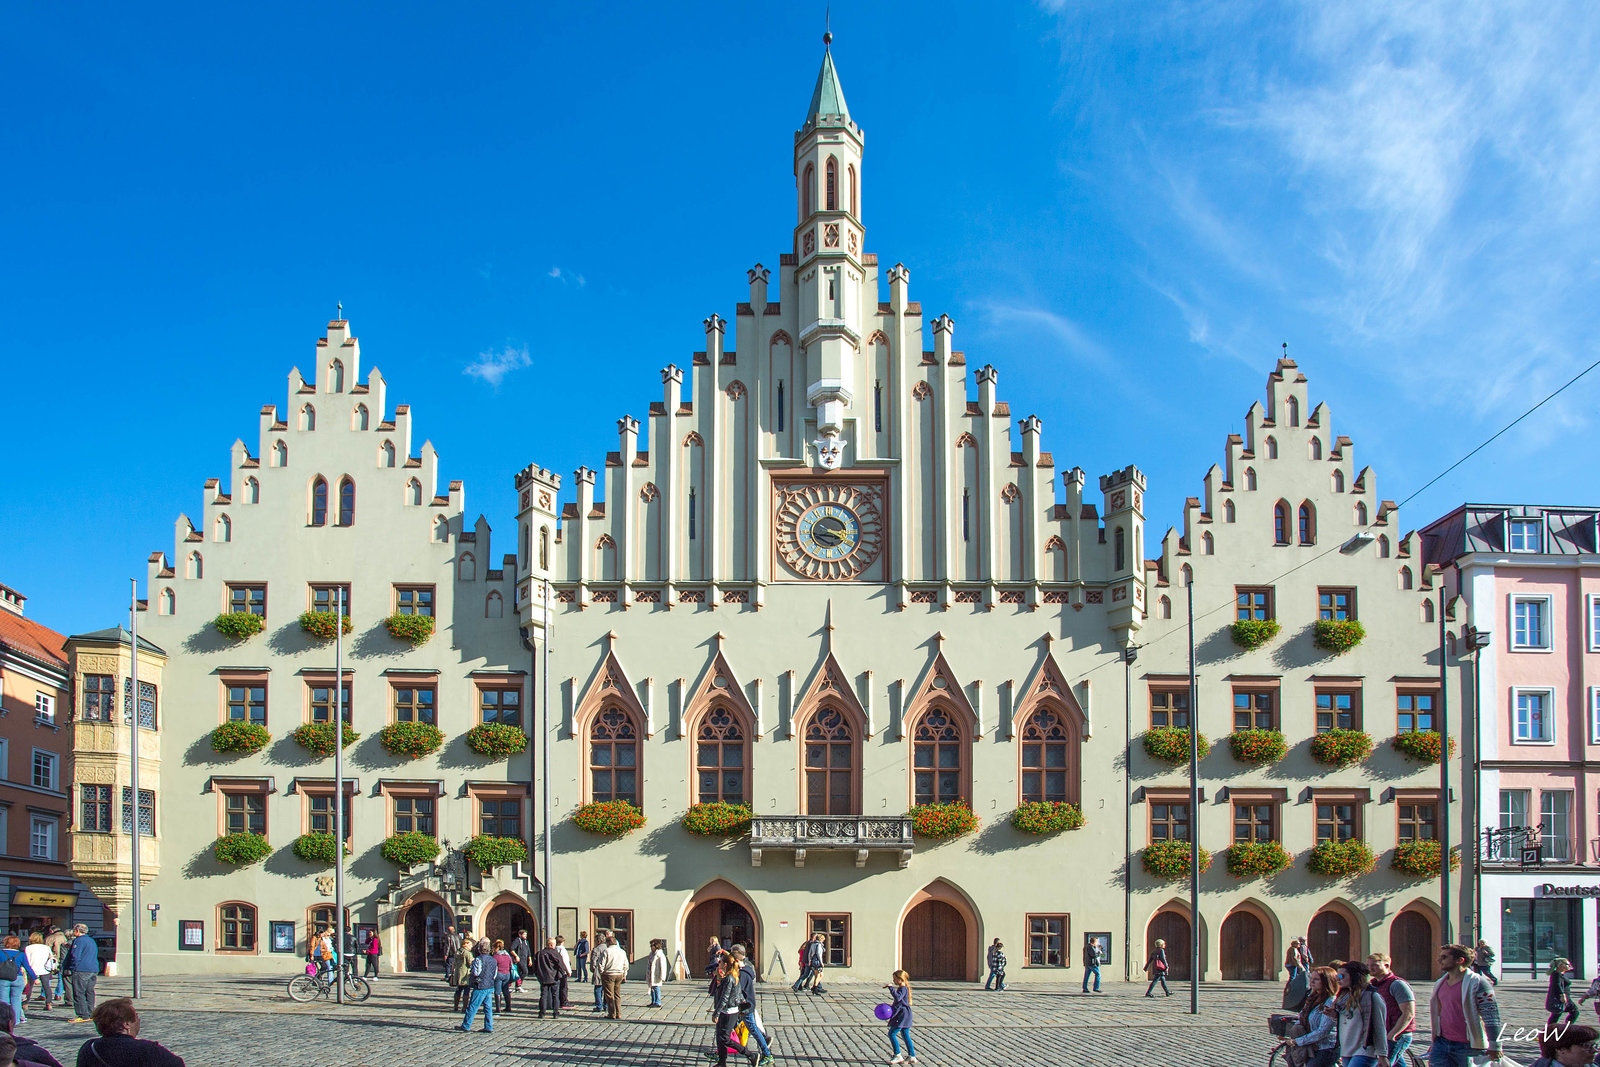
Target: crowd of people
(48, 965)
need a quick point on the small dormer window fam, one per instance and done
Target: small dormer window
(1525, 535)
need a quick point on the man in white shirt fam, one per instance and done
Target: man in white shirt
(561, 947)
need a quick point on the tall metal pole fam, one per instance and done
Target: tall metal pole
(1445, 910)
(133, 777)
(1129, 654)
(1194, 821)
(338, 790)
(544, 759)
(1477, 792)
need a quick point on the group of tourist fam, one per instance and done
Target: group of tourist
(118, 1043)
(56, 964)
(485, 973)
(321, 950)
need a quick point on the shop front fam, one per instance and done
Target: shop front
(34, 908)
(1540, 921)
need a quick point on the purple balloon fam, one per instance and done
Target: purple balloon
(883, 1012)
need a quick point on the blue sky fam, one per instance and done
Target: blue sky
(527, 210)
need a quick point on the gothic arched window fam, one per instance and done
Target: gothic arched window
(833, 185)
(358, 417)
(1250, 478)
(1280, 522)
(386, 454)
(1049, 763)
(830, 764)
(319, 501)
(252, 491)
(854, 198)
(308, 418)
(1272, 448)
(807, 196)
(938, 760)
(613, 757)
(347, 502)
(1227, 511)
(1308, 524)
(720, 751)
(414, 492)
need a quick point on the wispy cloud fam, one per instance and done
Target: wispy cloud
(1071, 339)
(566, 277)
(492, 366)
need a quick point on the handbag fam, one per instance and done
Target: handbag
(1159, 966)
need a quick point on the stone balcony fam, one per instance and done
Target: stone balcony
(861, 834)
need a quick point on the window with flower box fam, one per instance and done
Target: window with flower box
(1169, 706)
(247, 598)
(1255, 709)
(1338, 709)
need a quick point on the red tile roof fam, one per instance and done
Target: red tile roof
(32, 640)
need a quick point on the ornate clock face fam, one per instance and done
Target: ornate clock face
(828, 531)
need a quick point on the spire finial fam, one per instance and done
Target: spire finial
(341, 310)
(1286, 350)
(827, 26)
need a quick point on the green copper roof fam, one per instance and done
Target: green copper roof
(828, 98)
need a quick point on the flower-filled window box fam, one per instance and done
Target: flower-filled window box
(411, 740)
(717, 819)
(1257, 746)
(407, 627)
(1341, 748)
(322, 624)
(610, 817)
(942, 820)
(1046, 817)
(241, 850)
(1170, 859)
(497, 740)
(238, 624)
(1254, 859)
(1170, 744)
(489, 852)
(1421, 745)
(241, 738)
(1251, 634)
(317, 738)
(317, 848)
(1420, 859)
(1338, 635)
(1341, 859)
(410, 848)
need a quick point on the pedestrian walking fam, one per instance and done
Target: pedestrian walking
(504, 975)
(1558, 997)
(460, 976)
(997, 966)
(566, 962)
(1572, 1047)
(811, 964)
(374, 950)
(594, 954)
(15, 973)
(452, 950)
(29, 1053)
(657, 971)
(522, 955)
(1483, 963)
(899, 988)
(725, 1009)
(1092, 959)
(81, 969)
(484, 973)
(1313, 1040)
(749, 1012)
(1363, 1018)
(1156, 968)
(1463, 1014)
(43, 962)
(119, 1043)
(613, 968)
(549, 969)
(580, 952)
(713, 956)
(1400, 1002)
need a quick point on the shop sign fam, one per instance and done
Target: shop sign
(1548, 890)
(39, 898)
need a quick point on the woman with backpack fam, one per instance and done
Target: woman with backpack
(15, 974)
(1362, 1018)
(1156, 968)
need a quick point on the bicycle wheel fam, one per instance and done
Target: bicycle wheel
(357, 989)
(303, 987)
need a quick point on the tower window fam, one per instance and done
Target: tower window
(780, 405)
(966, 501)
(853, 200)
(691, 514)
(877, 406)
(833, 184)
(805, 190)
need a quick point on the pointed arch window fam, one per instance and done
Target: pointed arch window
(308, 418)
(1294, 411)
(850, 171)
(336, 377)
(1207, 544)
(168, 603)
(386, 454)
(252, 491)
(414, 492)
(1308, 523)
(319, 501)
(347, 501)
(1316, 448)
(1227, 511)
(1338, 481)
(196, 566)
(441, 529)
(1187, 573)
(1164, 608)
(1405, 578)
(358, 417)
(807, 197)
(1280, 522)
(494, 606)
(939, 765)
(224, 529)
(1049, 759)
(833, 184)
(721, 758)
(1383, 547)
(1361, 513)
(1250, 478)
(280, 454)
(613, 757)
(466, 568)
(830, 764)
(1272, 448)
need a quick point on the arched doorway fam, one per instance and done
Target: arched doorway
(933, 942)
(1244, 948)
(1173, 928)
(725, 919)
(506, 918)
(1411, 946)
(424, 940)
(1329, 938)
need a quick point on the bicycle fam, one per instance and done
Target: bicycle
(304, 987)
(1278, 1025)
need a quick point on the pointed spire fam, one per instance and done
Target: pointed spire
(827, 99)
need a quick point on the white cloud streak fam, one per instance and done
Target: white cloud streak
(492, 366)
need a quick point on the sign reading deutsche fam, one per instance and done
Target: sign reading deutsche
(1549, 890)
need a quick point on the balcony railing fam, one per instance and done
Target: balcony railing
(861, 834)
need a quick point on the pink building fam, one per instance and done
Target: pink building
(1529, 582)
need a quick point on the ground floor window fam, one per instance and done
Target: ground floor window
(1535, 931)
(835, 931)
(237, 926)
(1047, 940)
(620, 923)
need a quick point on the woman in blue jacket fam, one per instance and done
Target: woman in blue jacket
(900, 1018)
(12, 958)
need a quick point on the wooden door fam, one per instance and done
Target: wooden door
(1329, 938)
(1411, 948)
(1172, 928)
(1244, 953)
(703, 922)
(504, 920)
(417, 937)
(933, 942)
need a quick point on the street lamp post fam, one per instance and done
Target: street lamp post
(1477, 641)
(1194, 821)
(1129, 655)
(1445, 911)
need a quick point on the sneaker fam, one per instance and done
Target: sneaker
(766, 1061)
(899, 1058)
(912, 1061)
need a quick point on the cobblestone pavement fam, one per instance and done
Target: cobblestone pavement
(250, 1022)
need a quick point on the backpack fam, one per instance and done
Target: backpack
(9, 969)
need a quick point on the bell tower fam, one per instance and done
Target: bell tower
(828, 242)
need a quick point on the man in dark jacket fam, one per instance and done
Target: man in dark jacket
(747, 1004)
(1092, 959)
(82, 970)
(522, 954)
(550, 967)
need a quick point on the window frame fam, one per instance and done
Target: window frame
(1357, 702)
(1593, 600)
(1522, 522)
(243, 789)
(1544, 819)
(1404, 798)
(95, 696)
(249, 680)
(1254, 692)
(696, 768)
(254, 916)
(325, 680)
(484, 687)
(611, 924)
(590, 795)
(1333, 592)
(1357, 799)
(1065, 934)
(1546, 622)
(1168, 690)
(845, 935)
(482, 793)
(52, 764)
(100, 805)
(1594, 714)
(44, 707)
(393, 792)
(1256, 798)
(1549, 695)
(856, 749)
(230, 591)
(1267, 592)
(314, 792)
(962, 745)
(126, 817)
(1415, 693)
(331, 605)
(1167, 798)
(400, 606)
(1072, 765)
(1504, 813)
(416, 686)
(52, 837)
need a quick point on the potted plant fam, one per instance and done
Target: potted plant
(1251, 634)
(321, 624)
(1170, 744)
(717, 819)
(611, 817)
(497, 740)
(410, 848)
(1257, 746)
(1046, 816)
(317, 738)
(412, 740)
(1420, 859)
(1253, 859)
(317, 848)
(240, 738)
(1421, 745)
(1341, 859)
(1338, 635)
(489, 852)
(942, 820)
(238, 624)
(1170, 859)
(241, 849)
(1341, 748)
(413, 628)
